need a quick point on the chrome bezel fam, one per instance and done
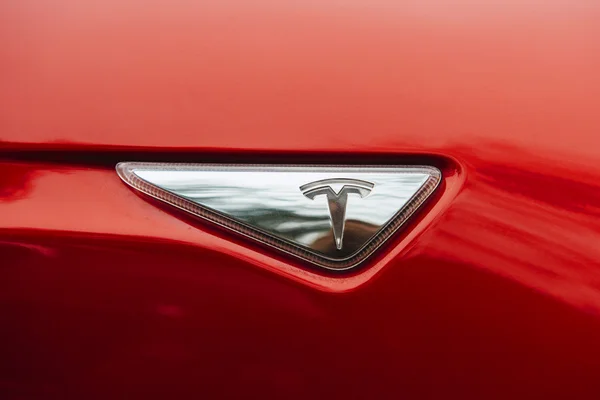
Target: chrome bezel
(125, 170)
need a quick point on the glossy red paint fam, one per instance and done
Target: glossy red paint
(494, 292)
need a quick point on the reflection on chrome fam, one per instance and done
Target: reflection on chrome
(282, 205)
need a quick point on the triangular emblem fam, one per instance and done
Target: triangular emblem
(331, 216)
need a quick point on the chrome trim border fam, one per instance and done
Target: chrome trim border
(125, 170)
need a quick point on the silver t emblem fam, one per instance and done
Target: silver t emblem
(337, 201)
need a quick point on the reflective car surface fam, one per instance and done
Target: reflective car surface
(490, 290)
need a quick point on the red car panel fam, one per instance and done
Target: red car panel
(491, 292)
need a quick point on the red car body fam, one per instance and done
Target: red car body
(492, 291)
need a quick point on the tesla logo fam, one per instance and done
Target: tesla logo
(337, 201)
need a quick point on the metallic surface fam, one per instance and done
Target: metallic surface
(493, 291)
(272, 204)
(337, 200)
